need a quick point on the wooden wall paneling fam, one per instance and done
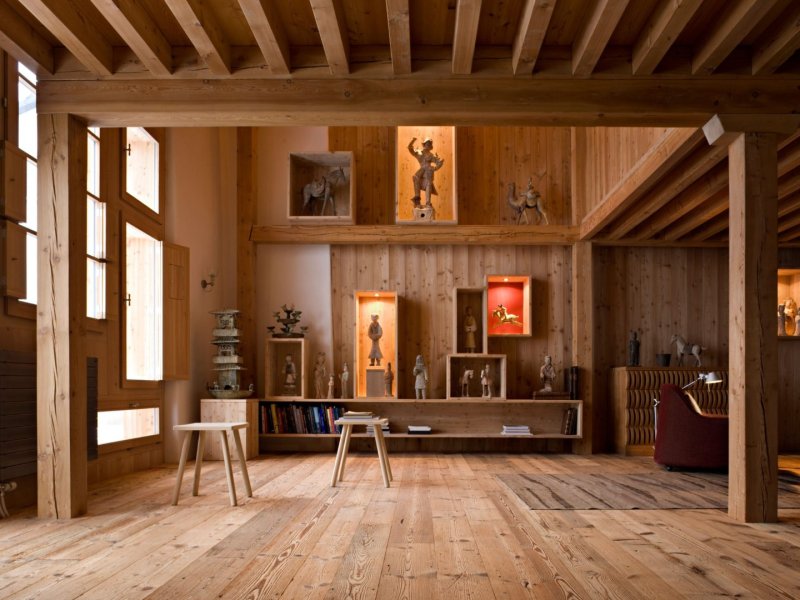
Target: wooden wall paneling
(246, 211)
(177, 351)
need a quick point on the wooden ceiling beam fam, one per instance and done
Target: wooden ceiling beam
(732, 27)
(787, 206)
(788, 236)
(715, 226)
(779, 45)
(264, 21)
(78, 36)
(332, 28)
(399, 35)
(660, 32)
(204, 32)
(591, 41)
(468, 13)
(659, 160)
(130, 20)
(699, 192)
(533, 24)
(401, 101)
(789, 184)
(788, 159)
(706, 212)
(23, 42)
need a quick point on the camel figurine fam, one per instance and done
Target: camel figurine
(684, 349)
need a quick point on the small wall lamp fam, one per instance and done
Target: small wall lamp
(208, 283)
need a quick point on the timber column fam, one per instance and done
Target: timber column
(60, 361)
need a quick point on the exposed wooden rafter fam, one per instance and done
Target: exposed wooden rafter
(660, 32)
(704, 214)
(779, 45)
(202, 29)
(270, 36)
(22, 41)
(468, 14)
(399, 35)
(533, 24)
(734, 24)
(78, 36)
(140, 32)
(332, 28)
(592, 40)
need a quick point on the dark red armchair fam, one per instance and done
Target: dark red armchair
(687, 438)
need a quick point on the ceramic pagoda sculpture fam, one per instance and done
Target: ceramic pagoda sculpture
(227, 363)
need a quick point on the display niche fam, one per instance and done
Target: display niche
(285, 368)
(508, 305)
(321, 188)
(376, 344)
(469, 320)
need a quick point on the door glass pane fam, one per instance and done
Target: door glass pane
(119, 425)
(95, 289)
(28, 140)
(143, 303)
(141, 167)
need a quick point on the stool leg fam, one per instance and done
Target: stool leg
(242, 463)
(386, 457)
(348, 431)
(339, 451)
(228, 470)
(381, 455)
(187, 438)
(198, 463)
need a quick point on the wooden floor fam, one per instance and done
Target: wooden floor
(445, 529)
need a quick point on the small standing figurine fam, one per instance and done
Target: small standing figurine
(375, 333)
(320, 375)
(420, 378)
(330, 388)
(547, 374)
(344, 377)
(290, 376)
(470, 327)
(465, 379)
(781, 319)
(486, 382)
(633, 350)
(790, 311)
(388, 379)
(429, 163)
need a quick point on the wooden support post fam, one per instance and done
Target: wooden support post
(582, 335)
(60, 360)
(245, 250)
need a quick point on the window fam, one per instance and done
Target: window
(28, 143)
(143, 303)
(95, 231)
(120, 425)
(141, 167)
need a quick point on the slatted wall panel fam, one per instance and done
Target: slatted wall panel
(17, 414)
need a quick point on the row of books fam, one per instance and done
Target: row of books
(299, 418)
(569, 424)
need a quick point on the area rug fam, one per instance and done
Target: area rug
(648, 490)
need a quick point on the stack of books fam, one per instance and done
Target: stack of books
(516, 430)
(418, 429)
(357, 415)
(384, 428)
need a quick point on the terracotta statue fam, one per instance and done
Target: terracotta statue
(290, 376)
(547, 374)
(781, 319)
(375, 332)
(344, 377)
(320, 375)
(388, 379)
(465, 379)
(790, 311)
(633, 350)
(429, 163)
(330, 388)
(486, 381)
(470, 327)
(420, 378)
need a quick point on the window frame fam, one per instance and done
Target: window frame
(158, 134)
(101, 259)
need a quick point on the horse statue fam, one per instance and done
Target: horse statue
(503, 316)
(322, 188)
(684, 349)
(465, 379)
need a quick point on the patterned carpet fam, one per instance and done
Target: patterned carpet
(653, 490)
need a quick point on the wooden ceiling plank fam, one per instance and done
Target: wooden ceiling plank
(399, 35)
(789, 236)
(660, 32)
(533, 24)
(706, 212)
(729, 32)
(592, 40)
(789, 184)
(468, 14)
(779, 46)
(23, 42)
(788, 159)
(204, 32)
(788, 140)
(130, 20)
(699, 192)
(790, 220)
(77, 35)
(332, 28)
(708, 229)
(264, 21)
(660, 159)
(682, 176)
(788, 205)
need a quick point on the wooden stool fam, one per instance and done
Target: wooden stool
(201, 428)
(344, 446)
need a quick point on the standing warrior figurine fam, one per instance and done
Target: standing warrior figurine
(290, 375)
(547, 373)
(429, 163)
(344, 377)
(330, 388)
(470, 327)
(388, 379)
(320, 374)
(486, 382)
(420, 378)
(633, 350)
(375, 333)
